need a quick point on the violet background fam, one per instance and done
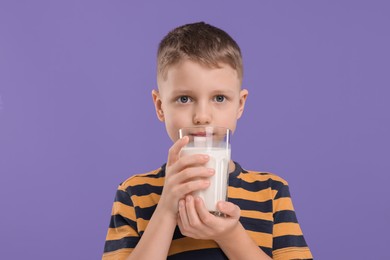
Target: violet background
(76, 115)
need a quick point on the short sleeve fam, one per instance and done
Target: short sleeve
(122, 235)
(288, 240)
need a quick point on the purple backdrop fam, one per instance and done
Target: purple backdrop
(76, 115)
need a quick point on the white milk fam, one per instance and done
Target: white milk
(219, 161)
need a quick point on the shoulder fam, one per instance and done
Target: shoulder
(154, 178)
(256, 180)
(259, 176)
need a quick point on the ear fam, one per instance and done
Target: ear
(158, 105)
(243, 96)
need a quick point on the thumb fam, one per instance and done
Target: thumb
(174, 151)
(229, 209)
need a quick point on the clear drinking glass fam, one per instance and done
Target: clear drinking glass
(215, 142)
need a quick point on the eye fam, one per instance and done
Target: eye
(184, 99)
(219, 98)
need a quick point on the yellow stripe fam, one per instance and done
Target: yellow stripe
(122, 188)
(120, 232)
(146, 201)
(150, 181)
(261, 239)
(141, 224)
(187, 244)
(123, 210)
(292, 253)
(258, 196)
(120, 254)
(283, 204)
(141, 179)
(257, 214)
(253, 176)
(283, 229)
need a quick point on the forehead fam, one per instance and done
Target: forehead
(189, 74)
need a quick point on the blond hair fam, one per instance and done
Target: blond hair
(201, 43)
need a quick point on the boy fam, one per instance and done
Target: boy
(154, 215)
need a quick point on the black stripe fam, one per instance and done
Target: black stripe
(264, 207)
(256, 185)
(257, 225)
(266, 250)
(126, 242)
(118, 221)
(144, 189)
(204, 254)
(251, 186)
(123, 197)
(285, 216)
(177, 234)
(283, 192)
(289, 241)
(239, 169)
(145, 213)
(208, 253)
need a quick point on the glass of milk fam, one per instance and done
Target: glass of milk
(215, 142)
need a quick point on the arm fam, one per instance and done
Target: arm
(123, 237)
(159, 230)
(183, 175)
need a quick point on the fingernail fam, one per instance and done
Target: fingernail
(210, 170)
(188, 198)
(206, 157)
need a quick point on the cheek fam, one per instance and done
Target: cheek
(177, 119)
(229, 117)
(229, 113)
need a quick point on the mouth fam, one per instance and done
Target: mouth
(199, 134)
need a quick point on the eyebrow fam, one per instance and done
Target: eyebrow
(229, 91)
(182, 91)
(191, 91)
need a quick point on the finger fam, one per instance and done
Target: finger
(189, 161)
(192, 173)
(173, 154)
(192, 215)
(183, 215)
(180, 223)
(205, 216)
(229, 209)
(191, 186)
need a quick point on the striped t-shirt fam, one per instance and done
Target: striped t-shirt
(267, 214)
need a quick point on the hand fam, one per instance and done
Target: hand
(195, 221)
(183, 175)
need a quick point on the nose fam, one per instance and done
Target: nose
(202, 115)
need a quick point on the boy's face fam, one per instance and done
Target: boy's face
(195, 95)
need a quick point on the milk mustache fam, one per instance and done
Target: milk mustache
(219, 161)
